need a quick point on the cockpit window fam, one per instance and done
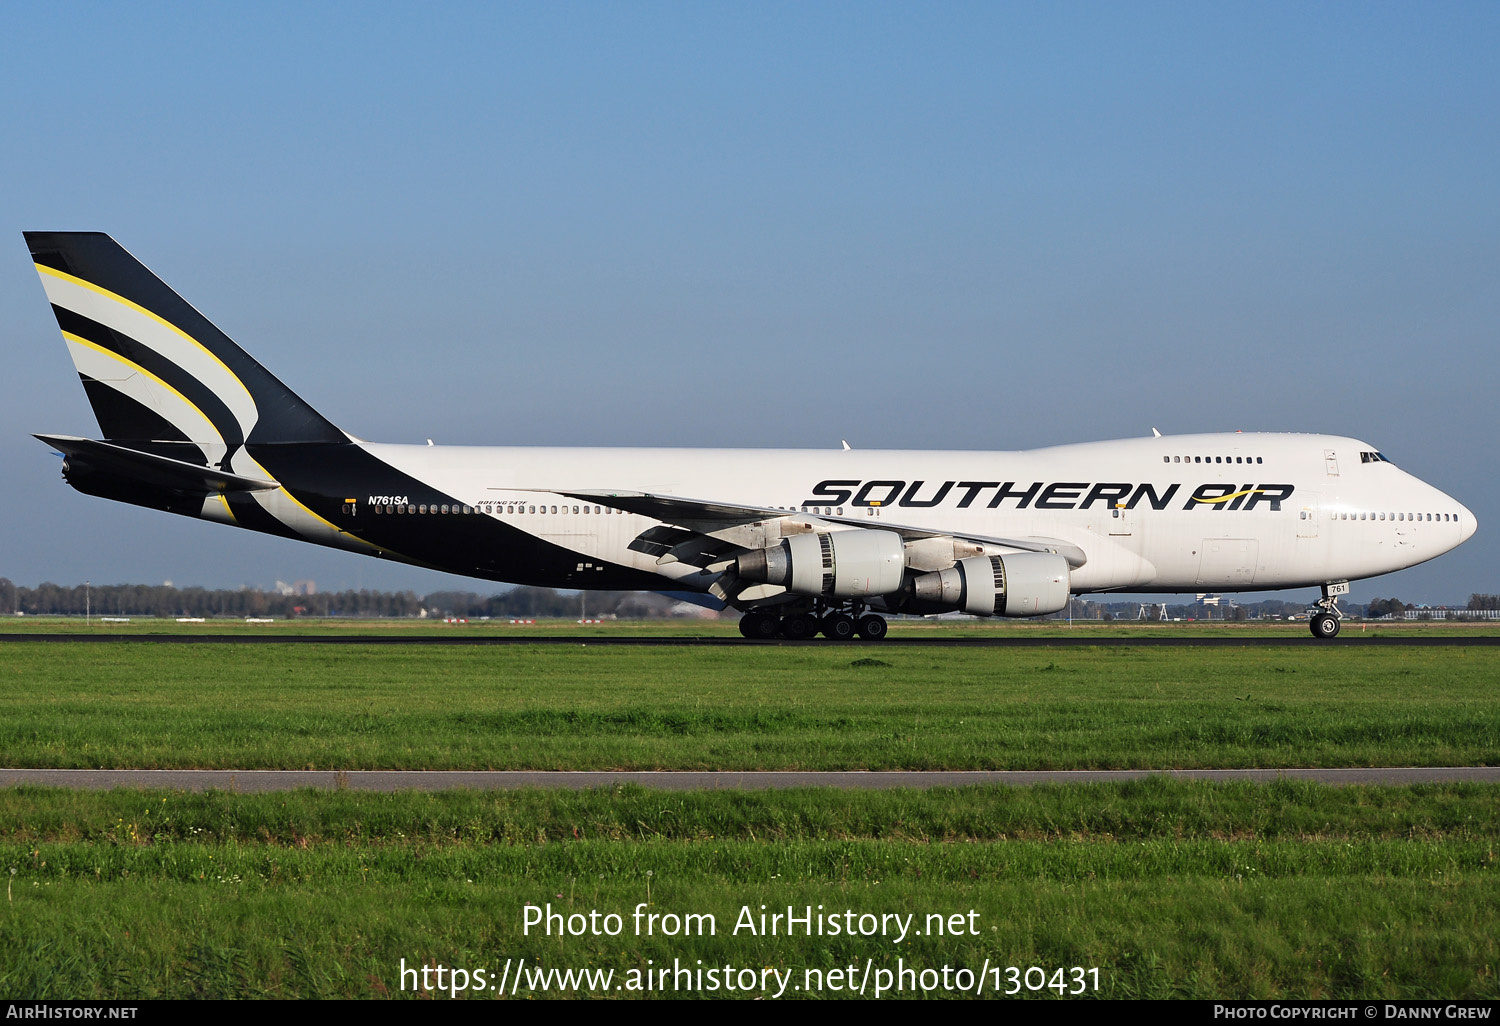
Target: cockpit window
(1373, 457)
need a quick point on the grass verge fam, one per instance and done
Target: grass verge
(547, 707)
(1169, 888)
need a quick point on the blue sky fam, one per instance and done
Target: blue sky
(982, 226)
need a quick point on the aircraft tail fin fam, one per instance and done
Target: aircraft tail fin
(155, 369)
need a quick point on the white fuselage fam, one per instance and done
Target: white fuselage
(1231, 512)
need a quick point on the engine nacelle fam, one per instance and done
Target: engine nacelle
(847, 564)
(1015, 584)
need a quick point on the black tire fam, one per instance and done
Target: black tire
(759, 626)
(838, 627)
(872, 627)
(1324, 626)
(798, 627)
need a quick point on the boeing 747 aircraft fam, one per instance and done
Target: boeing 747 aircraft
(802, 542)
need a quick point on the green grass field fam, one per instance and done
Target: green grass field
(1169, 888)
(743, 707)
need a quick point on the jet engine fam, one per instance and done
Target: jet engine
(1015, 584)
(847, 564)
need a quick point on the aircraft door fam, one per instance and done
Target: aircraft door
(1228, 562)
(1307, 518)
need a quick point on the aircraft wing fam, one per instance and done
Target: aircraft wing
(147, 468)
(707, 517)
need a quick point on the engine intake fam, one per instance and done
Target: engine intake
(1016, 584)
(843, 563)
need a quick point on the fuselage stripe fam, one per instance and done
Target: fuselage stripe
(1233, 495)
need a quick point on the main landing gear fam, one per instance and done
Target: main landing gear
(1325, 623)
(836, 625)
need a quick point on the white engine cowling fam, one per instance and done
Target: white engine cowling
(847, 564)
(1015, 584)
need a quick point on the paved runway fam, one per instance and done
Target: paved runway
(1216, 640)
(440, 780)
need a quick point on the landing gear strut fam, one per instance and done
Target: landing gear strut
(1325, 623)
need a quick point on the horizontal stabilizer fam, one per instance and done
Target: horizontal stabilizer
(147, 469)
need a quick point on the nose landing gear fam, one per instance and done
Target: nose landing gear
(1325, 624)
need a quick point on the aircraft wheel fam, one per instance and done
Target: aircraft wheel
(1324, 625)
(838, 627)
(759, 626)
(798, 627)
(872, 627)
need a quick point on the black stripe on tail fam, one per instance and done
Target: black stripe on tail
(97, 260)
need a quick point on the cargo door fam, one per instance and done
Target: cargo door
(1228, 563)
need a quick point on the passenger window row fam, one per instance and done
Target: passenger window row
(1450, 518)
(1211, 459)
(493, 509)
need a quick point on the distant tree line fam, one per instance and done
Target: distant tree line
(1386, 607)
(48, 599)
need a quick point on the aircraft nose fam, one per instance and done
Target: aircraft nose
(1467, 524)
